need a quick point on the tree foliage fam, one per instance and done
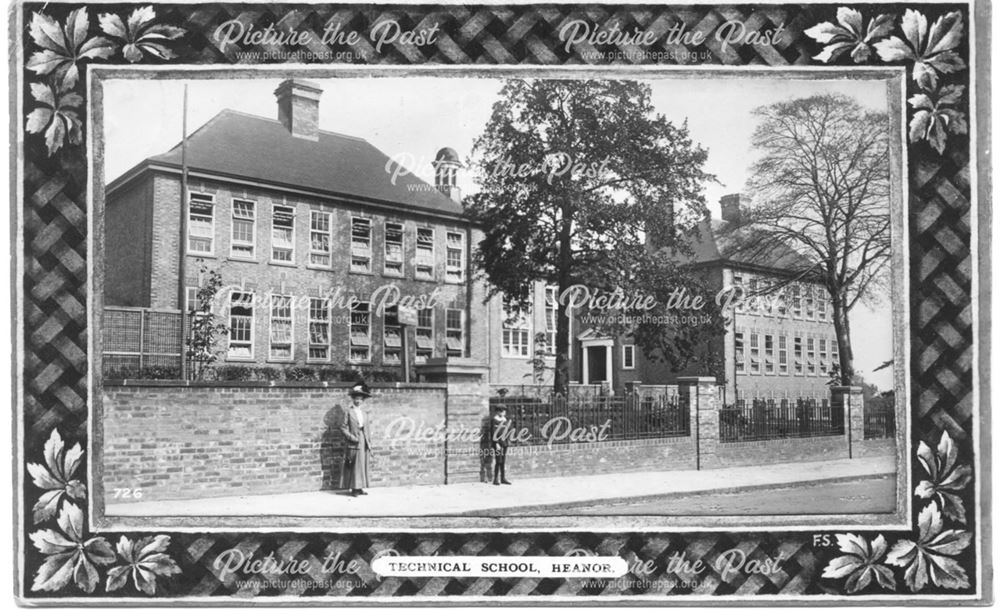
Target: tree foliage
(572, 174)
(206, 327)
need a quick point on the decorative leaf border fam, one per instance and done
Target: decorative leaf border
(62, 49)
(72, 560)
(929, 559)
(930, 53)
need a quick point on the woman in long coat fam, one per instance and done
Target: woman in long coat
(354, 474)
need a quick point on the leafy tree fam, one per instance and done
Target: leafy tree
(677, 331)
(821, 188)
(572, 173)
(206, 329)
(539, 365)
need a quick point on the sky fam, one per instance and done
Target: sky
(411, 118)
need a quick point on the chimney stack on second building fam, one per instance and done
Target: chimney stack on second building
(731, 208)
(298, 107)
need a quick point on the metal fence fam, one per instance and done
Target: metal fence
(767, 419)
(880, 420)
(629, 417)
(140, 340)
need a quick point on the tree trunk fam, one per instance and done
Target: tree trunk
(842, 326)
(561, 377)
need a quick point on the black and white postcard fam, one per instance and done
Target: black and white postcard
(505, 304)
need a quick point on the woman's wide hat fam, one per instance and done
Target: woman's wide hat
(360, 390)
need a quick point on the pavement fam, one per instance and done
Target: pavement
(527, 494)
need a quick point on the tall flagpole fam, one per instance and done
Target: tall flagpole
(182, 268)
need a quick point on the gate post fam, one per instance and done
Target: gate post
(853, 402)
(701, 395)
(467, 405)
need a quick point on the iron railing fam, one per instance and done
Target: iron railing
(594, 419)
(880, 420)
(768, 419)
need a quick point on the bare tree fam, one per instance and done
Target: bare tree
(821, 188)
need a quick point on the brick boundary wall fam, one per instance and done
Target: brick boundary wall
(176, 441)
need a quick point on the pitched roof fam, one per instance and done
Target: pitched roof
(251, 147)
(717, 241)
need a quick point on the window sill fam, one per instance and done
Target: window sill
(322, 268)
(282, 263)
(242, 259)
(358, 273)
(205, 255)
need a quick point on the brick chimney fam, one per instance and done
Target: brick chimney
(298, 107)
(731, 208)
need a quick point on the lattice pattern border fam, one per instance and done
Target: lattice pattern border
(54, 214)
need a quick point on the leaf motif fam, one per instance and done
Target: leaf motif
(98, 48)
(929, 559)
(77, 25)
(112, 25)
(945, 34)
(140, 17)
(117, 578)
(46, 33)
(851, 20)
(849, 34)
(893, 49)
(55, 573)
(825, 33)
(46, 506)
(44, 62)
(164, 31)
(879, 27)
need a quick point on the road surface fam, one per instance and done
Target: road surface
(865, 495)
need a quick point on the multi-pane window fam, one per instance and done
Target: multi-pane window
(754, 353)
(811, 356)
(244, 229)
(319, 329)
(455, 257)
(281, 328)
(393, 249)
(796, 292)
(810, 304)
(516, 331)
(551, 318)
(283, 234)
(798, 355)
(781, 302)
(738, 292)
(425, 334)
(240, 326)
(834, 353)
(361, 333)
(628, 356)
(392, 336)
(768, 354)
(425, 254)
(455, 332)
(320, 238)
(361, 245)
(201, 223)
(738, 349)
(823, 364)
(191, 299)
(782, 354)
(822, 299)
